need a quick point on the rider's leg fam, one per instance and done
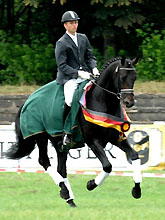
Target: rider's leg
(67, 137)
(69, 89)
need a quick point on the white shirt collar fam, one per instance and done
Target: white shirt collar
(73, 37)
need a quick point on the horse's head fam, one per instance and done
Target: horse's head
(117, 77)
(127, 74)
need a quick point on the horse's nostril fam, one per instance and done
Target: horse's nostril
(129, 104)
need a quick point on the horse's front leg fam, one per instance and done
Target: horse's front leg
(133, 157)
(98, 150)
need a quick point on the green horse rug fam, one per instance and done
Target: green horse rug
(43, 111)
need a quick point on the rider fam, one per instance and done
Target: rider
(75, 61)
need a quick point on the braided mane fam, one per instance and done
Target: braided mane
(109, 62)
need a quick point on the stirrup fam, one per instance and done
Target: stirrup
(66, 139)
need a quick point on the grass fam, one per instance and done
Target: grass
(149, 87)
(22, 89)
(32, 196)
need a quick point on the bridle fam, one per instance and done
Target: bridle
(118, 95)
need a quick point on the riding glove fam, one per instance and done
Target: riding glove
(95, 72)
(84, 74)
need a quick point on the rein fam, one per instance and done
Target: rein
(118, 95)
(106, 90)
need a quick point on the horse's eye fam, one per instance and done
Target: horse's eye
(129, 64)
(123, 78)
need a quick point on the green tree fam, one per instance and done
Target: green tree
(109, 24)
(24, 64)
(152, 64)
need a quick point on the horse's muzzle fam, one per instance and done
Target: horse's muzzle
(129, 101)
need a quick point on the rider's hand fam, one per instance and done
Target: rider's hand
(84, 74)
(95, 72)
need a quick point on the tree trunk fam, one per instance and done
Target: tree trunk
(108, 42)
(2, 9)
(29, 13)
(10, 16)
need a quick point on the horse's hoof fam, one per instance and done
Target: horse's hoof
(64, 193)
(136, 192)
(91, 185)
(71, 203)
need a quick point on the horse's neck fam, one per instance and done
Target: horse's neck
(103, 101)
(106, 80)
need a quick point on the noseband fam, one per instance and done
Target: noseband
(118, 95)
(126, 90)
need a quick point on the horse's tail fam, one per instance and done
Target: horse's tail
(22, 147)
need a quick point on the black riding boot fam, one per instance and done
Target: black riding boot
(67, 137)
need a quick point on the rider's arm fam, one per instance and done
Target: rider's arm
(61, 60)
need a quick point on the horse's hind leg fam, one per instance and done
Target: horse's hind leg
(133, 157)
(42, 142)
(60, 176)
(66, 191)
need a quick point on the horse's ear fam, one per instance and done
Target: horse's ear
(136, 60)
(122, 60)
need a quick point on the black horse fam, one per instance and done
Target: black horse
(114, 85)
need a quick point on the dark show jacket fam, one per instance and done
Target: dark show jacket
(70, 58)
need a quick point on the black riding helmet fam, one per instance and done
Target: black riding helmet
(69, 16)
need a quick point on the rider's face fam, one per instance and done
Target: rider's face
(71, 26)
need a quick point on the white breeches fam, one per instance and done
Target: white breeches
(69, 89)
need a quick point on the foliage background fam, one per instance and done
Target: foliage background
(29, 30)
